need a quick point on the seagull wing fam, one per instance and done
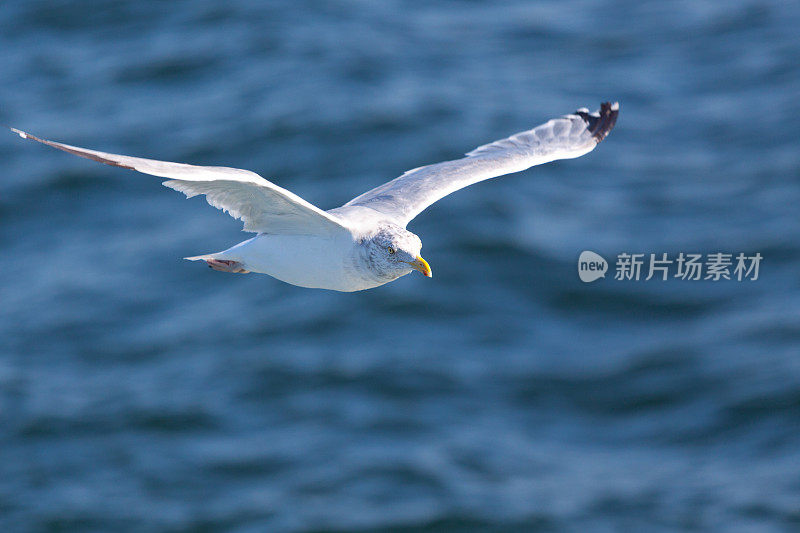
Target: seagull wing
(562, 138)
(262, 206)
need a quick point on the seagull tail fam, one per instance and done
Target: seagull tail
(202, 257)
(219, 264)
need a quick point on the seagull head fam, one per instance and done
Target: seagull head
(393, 252)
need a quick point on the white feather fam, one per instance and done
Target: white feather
(563, 138)
(261, 205)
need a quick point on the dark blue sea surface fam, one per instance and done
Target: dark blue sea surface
(142, 392)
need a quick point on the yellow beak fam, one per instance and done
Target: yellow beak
(420, 264)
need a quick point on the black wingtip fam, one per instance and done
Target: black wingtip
(600, 124)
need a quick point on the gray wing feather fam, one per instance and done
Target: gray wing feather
(563, 138)
(261, 205)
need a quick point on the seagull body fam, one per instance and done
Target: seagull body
(364, 243)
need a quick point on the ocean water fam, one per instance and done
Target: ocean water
(141, 392)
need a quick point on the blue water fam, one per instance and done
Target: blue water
(141, 392)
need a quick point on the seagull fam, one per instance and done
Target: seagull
(364, 243)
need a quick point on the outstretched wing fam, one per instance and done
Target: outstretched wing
(262, 206)
(562, 138)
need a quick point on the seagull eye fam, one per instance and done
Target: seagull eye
(390, 250)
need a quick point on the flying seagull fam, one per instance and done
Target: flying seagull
(364, 243)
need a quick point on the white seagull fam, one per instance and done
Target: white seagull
(364, 243)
